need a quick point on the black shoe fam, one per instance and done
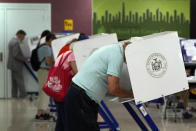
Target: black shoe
(37, 117)
(46, 116)
(187, 115)
(43, 117)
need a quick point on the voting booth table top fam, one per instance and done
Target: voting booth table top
(152, 61)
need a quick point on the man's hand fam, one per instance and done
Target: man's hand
(27, 59)
(114, 88)
(49, 61)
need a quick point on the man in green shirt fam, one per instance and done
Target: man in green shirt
(99, 74)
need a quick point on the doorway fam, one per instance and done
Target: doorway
(33, 19)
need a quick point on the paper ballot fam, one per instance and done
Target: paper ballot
(156, 66)
(61, 42)
(83, 49)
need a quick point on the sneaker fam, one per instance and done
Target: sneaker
(43, 117)
(187, 115)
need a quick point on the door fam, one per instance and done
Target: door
(2, 52)
(33, 19)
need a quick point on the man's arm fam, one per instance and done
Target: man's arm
(49, 61)
(73, 67)
(17, 53)
(114, 88)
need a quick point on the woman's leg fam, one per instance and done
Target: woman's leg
(43, 99)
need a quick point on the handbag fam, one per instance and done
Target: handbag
(58, 80)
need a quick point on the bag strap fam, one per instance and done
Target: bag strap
(42, 60)
(63, 60)
(40, 47)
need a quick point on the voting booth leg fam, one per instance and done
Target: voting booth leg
(109, 113)
(53, 110)
(144, 113)
(110, 121)
(147, 117)
(31, 93)
(31, 72)
(52, 105)
(135, 116)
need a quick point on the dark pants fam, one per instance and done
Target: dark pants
(18, 84)
(80, 111)
(60, 117)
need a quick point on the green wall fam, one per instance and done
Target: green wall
(141, 17)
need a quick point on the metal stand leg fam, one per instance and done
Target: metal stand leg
(110, 121)
(135, 116)
(147, 117)
(109, 113)
(144, 113)
(53, 109)
(31, 72)
(52, 105)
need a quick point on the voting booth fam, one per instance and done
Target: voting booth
(156, 67)
(83, 49)
(188, 47)
(61, 42)
(24, 46)
(28, 44)
(30, 78)
(154, 63)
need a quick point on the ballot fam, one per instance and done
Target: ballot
(155, 65)
(83, 49)
(57, 44)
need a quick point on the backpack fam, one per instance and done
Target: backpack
(35, 63)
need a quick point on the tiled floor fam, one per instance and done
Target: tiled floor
(18, 115)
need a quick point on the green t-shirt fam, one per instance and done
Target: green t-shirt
(93, 75)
